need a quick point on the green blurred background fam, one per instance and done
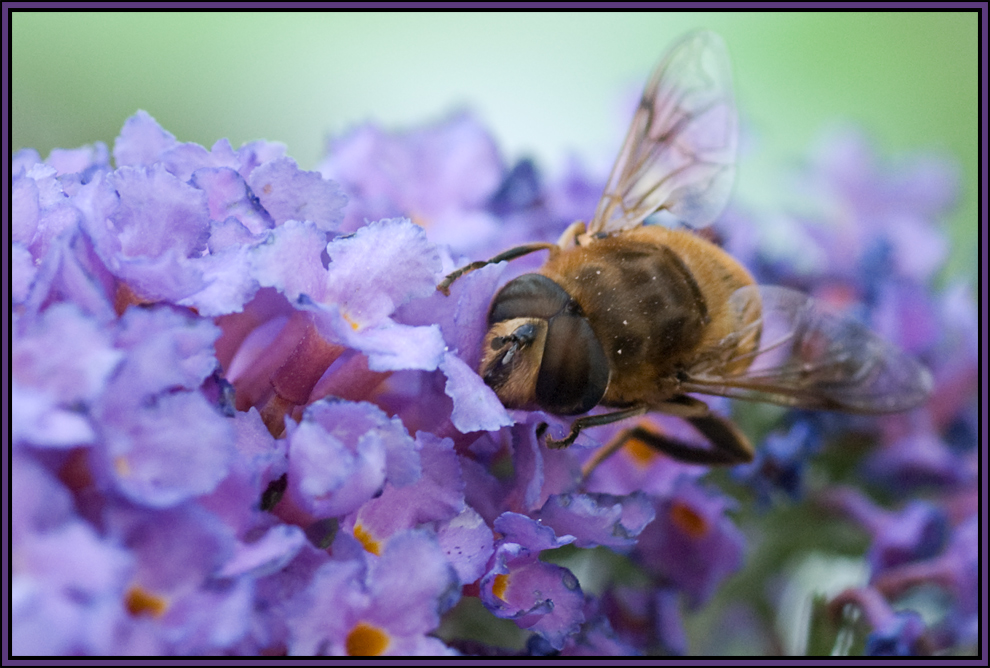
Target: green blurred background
(547, 84)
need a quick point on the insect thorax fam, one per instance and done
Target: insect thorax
(644, 305)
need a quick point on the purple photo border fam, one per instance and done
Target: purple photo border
(984, 289)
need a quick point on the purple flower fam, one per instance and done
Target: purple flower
(647, 618)
(598, 519)
(519, 190)
(341, 454)
(67, 581)
(919, 458)
(917, 531)
(60, 365)
(246, 422)
(383, 607)
(286, 193)
(956, 571)
(897, 633)
(779, 464)
(879, 207)
(468, 543)
(596, 637)
(441, 175)
(691, 544)
(897, 636)
(259, 463)
(175, 602)
(536, 595)
(437, 496)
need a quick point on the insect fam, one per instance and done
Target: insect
(633, 317)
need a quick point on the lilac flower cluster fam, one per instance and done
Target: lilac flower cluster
(245, 421)
(874, 249)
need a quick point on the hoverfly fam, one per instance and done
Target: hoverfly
(634, 317)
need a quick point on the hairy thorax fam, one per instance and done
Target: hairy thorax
(656, 299)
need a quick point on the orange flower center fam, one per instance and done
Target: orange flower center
(500, 585)
(366, 640)
(140, 602)
(366, 539)
(641, 453)
(687, 520)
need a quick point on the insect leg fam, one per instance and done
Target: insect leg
(731, 446)
(683, 406)
(591, 421)
(729, 442)
(510, 254)
(672, 447)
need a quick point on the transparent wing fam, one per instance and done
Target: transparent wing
(809, 358)
(680, 152)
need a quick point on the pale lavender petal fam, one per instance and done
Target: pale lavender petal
(388, 345)
(176, 549)
(37, 419)
(437, 495)
(289, 193)
(450, 165)
(167, 277)
(79, 160)
(468, 543)
(42, 212)
(25, 209)
(289, 260)
(379, 268)
(269, 554)
(160, 455)
(920, 250)
(324, 615)
(229, 196)
(185, 159)
(255, 153)
(529, 533)
(166, 349)
(260, 461)
(411, 585)
(65, 591)
(142, 141)
(43, 502)
(349, 421)
(476, 406)
(231, 233)
(211, 620)
(23, 160)
(158, 212)
(72, 272)
(98, 201)
(598, 519)
(74, 558)
(326, 477)
(229, 283)
(463, 316)
(66, 355)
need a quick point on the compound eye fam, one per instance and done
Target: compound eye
(528, 296)
(574, 372)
